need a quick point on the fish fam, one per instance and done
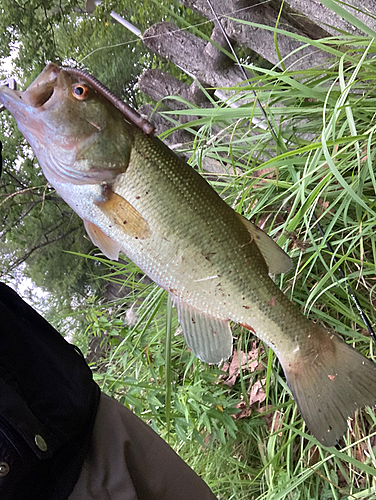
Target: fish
(138, 197)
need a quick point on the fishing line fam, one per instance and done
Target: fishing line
(349, 289)
(189, 26)
(271, 128)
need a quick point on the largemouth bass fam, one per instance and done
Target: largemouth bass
(136, 196)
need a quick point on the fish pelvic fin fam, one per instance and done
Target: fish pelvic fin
(329, 380)
(107, 245)
(210, 338)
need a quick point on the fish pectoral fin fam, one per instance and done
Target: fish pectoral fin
(125, 216)
(208, 337)
(108, 246)
(275, 257)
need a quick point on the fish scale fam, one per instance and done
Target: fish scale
(136, 196)
(152, 165)
(213, 251)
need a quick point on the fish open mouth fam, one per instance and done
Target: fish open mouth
(38, 99)
(42, 88)
(36, 95)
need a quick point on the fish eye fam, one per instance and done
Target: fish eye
(80, 91)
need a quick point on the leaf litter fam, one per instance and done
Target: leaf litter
(246, 362)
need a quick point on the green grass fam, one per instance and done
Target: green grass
(323, 165)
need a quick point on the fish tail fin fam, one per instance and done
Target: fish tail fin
(329, 380)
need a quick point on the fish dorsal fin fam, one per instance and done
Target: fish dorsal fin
(108, 246)
(208, 337)
(275, 257)
(125, 216)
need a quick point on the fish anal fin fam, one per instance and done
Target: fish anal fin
(208, 337)
(275, 257)
(125, 216)
(108, 246)
(329, 380)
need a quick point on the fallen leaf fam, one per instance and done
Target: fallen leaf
(263, 175)
(257, 394)
(273, 418)
(245, 362)
(245, 410)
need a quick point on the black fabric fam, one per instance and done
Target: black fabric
(46, 390)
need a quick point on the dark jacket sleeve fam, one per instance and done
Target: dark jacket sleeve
(48, 404)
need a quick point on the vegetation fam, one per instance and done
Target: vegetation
(251, 443)
(237, 425)
(37, 227)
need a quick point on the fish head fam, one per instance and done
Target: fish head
(71, 126)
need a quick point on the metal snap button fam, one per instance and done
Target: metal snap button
(40, 442)
(4, 469)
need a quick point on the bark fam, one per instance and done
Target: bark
(188, 51)
(219, 60)
(314, 12)
(260, 40)
(299, 21)
(162, 124)
(159, 85)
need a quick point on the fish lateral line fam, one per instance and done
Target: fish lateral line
(208, 278)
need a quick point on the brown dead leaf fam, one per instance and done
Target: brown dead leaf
(263, 174)
(245, 410)
(322, 203)
(257, 394)
(277, 423)
(245, 362)
(313, 455)
(364, 152)
(322, 206)
(296, 242)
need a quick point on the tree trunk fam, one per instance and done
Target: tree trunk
(261, 40)
(189, 53)
(159, 85)
(314, 13)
